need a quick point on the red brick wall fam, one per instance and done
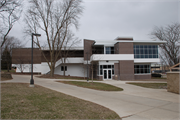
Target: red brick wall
(116, 71)
(126, 48)
(139, 77)
(23, 56)
(88, 48)
(126, 69)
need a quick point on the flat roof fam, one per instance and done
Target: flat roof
(112, 42)
(72, 48)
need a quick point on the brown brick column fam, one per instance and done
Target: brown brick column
(126, 69)
(88, 48)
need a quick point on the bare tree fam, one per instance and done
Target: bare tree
(21, 64)
(171, 49)
(54, 18)
(10, 12)
(10, 43)
(70, 42)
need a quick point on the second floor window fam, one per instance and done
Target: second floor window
(109, 50)
(145, 51)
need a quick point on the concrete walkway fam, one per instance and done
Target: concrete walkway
(131, 104)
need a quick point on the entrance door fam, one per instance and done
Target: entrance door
(107, 74)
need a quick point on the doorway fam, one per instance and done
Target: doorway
(107, 74)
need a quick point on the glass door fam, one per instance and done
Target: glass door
(109, 74)
(105, 74)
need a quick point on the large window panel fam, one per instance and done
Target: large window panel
(109, 50)
(141, 69)
(145, 51)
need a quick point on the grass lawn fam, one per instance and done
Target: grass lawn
(19, 101)
(10, 71)
(151, 85)
(64, 77)
(94, 85)
(4, 79)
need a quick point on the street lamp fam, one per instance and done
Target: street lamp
(32, 80)
(87, 66)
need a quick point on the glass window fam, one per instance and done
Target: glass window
(62, 68)
(137, 46)
(145, 51)
(109, 66)
(109, 50)
(141, 51)
(100, 72)
(137, 51)
(135, 70)
(101, 68)
(141, 69)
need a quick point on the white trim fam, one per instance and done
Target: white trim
(112, 42)
(67, 48)
(147, 60)
(97, 57)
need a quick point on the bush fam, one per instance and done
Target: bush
(155, 75)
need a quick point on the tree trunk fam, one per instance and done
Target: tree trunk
(64, 67)
(8, 67)
(52, 70)
(92, 73)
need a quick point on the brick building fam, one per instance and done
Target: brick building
(120, 59)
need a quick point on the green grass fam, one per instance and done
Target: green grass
(19, 101)
(151, 85)
(94, 85)
(10, 71)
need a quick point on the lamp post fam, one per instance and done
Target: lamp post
(32, 80)
(87, 67)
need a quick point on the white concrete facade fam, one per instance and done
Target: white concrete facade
(75, 67)
(97, 57)
(78, 70)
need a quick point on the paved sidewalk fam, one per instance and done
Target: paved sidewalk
(131, 104)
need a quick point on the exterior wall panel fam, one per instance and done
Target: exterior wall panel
(88, 48)
(139, 77)
(72, 70)
(23, 56)
(116, 71)
(126, 48)
(126, 70)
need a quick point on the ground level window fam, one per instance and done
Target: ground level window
(62, 68)
(103, 67)
(141, 69)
